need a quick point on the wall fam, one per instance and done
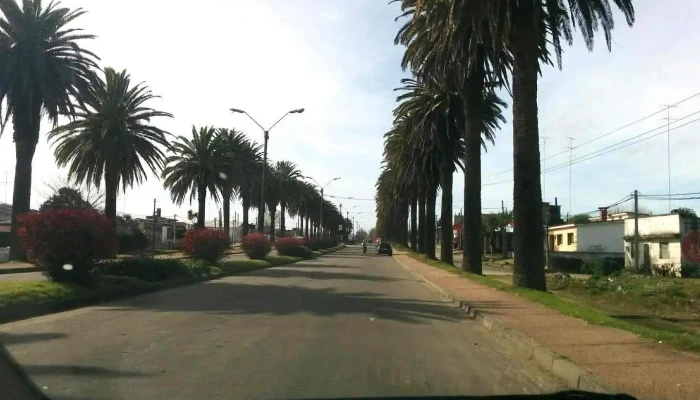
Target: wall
(608, 235)
(584, 255)
(563, 230)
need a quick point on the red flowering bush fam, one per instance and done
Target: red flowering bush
(293, 247)
(205, 244)
(67, 243)
(255, 245)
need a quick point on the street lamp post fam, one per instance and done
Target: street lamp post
(322, 187)
(261, 208)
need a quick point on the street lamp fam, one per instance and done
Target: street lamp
(261, 208)
(322, 187)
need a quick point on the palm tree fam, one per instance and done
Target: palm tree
(288, 176)
(505, 34)
(43, 69)
(111, 137)
(438, 114)
(249, 172)
(194, 168)
(233, 146)
(524, 36)
(445, 50)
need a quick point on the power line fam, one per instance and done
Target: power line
(608, 150)
(349, 198)
(606, 134)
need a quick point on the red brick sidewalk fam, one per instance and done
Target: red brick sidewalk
(621, 359)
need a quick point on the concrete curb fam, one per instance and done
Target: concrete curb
(575, 376)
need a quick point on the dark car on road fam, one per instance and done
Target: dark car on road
(383, 248)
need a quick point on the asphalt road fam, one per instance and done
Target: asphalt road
(341, 325)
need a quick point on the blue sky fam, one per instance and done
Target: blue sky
(337, 59)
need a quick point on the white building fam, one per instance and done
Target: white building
(660, 239)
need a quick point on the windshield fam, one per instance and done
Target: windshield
(331, 199)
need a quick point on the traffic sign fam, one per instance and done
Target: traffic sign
(691, 247)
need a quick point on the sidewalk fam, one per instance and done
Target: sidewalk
(620, 359)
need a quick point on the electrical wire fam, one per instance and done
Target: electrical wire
(608, 150)
(605, 134)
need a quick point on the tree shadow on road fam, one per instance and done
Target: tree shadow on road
(73, 370)
(10, 338)
(297, 272)
(236, 298)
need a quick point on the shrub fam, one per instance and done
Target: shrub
(66, 243)
(667, 270)
(155, 270)
(133, 240)
(255, 245)
(565, 264)
(292, 247)
(604, 266)
(205, 244)
(690, 271)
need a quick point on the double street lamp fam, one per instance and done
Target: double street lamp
(261, 207)
(322, 187)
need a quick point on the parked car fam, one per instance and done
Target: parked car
(383, 248)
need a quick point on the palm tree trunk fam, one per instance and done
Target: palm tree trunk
(272, 223)
(227, 214)
(414, 224)
(202, 200)
(283, 211)
(473, 237)
(528, 235)
(421, 224)
(306, 235)
(111, 189)
(245, 202)
(403, 226)
(22, 190)
(446, 236)
(430, 223)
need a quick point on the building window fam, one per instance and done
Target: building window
(570, 238)
(559, 239)
(663, 251)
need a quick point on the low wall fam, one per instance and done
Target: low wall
(585, 255)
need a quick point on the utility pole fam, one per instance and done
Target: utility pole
(571, 149)
(347, 231)
(153, 231)
(544, 173)
(668, 150)
(343, 225)
(503, 208)
(220, 220)
(636, 231)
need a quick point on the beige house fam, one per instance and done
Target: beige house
(591, 237)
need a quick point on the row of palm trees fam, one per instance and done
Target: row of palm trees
(225, 164)
(461, 53)
(44, 71)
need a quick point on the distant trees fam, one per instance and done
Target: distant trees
(66, 197)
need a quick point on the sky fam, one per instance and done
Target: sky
(337, 60)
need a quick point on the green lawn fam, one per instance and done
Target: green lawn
(659, 308)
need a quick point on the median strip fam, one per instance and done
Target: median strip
(22, 300)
